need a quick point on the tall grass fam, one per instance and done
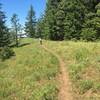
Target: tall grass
(83, 63)
(30, 75)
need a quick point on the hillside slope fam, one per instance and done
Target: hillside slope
(30, 75)
(82, 60)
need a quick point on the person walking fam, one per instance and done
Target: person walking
(40, 40)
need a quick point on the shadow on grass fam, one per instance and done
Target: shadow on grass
(24, 44)
(20, 45)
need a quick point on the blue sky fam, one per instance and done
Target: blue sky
(21, 7)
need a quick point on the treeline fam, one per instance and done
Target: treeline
(70, 19)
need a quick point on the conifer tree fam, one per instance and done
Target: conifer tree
(50, 19)
(5, 51)
(4, 34)
(40, 28)
(91, 27)
(72, 19)
(15, 27)
(30, 24)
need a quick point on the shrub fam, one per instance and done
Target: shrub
(85, 85)
(81, 54)
(6, 53)
(48, 91)
(88, 34)
(96, 87)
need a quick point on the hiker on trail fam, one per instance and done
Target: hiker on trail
(40, 41)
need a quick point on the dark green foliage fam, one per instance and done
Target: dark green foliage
(98, 10)
(71, 19)
(40, 28)
(30, 24)
(51, 21)
(6, 53)
(88, 34)
(91, 27)
(75, 12)
(4, 34)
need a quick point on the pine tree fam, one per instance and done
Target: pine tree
(30, 24)
(15, 27)
(91, 27)
(4, 34)
(40, 28)
(74, 17)
(64, 19)
(50, 19)
(90, 4)
(5, 51)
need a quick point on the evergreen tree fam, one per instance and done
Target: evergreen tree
(90, 4)
(50, 19)
(91, 27)
(64, 19)
(5, 51)
(72, 19)
(40, 28)
(4, 34)
(30, 24)
(15, 27)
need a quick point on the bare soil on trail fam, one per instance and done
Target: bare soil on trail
(65, 84)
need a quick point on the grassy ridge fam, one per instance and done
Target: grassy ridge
(30, 75)
(83, 62)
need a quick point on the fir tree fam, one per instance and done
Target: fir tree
(40, 28)
(30, 24)
(15, 27)
(91, 27)
(72, 19)
(4, 34)
(50, 19)
(5, 51)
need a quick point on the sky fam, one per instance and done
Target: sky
(21, 8)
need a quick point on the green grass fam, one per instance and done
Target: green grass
(83, 63)
(30, 75)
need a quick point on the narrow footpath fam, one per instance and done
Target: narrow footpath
(65, 88)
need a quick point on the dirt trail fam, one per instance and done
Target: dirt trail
(65, 90)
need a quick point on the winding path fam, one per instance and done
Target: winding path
(65, 90)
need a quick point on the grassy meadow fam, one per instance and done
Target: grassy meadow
(82, 60)
(30, 75)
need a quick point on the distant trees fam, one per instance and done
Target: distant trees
(16, 27)
(30, 24)
(71, 19)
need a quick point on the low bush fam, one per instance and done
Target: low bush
(81, 54)
(48, 91)
(75, 71)
(6, 53)
(85, 85)
(96, 87)
(88, 34)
